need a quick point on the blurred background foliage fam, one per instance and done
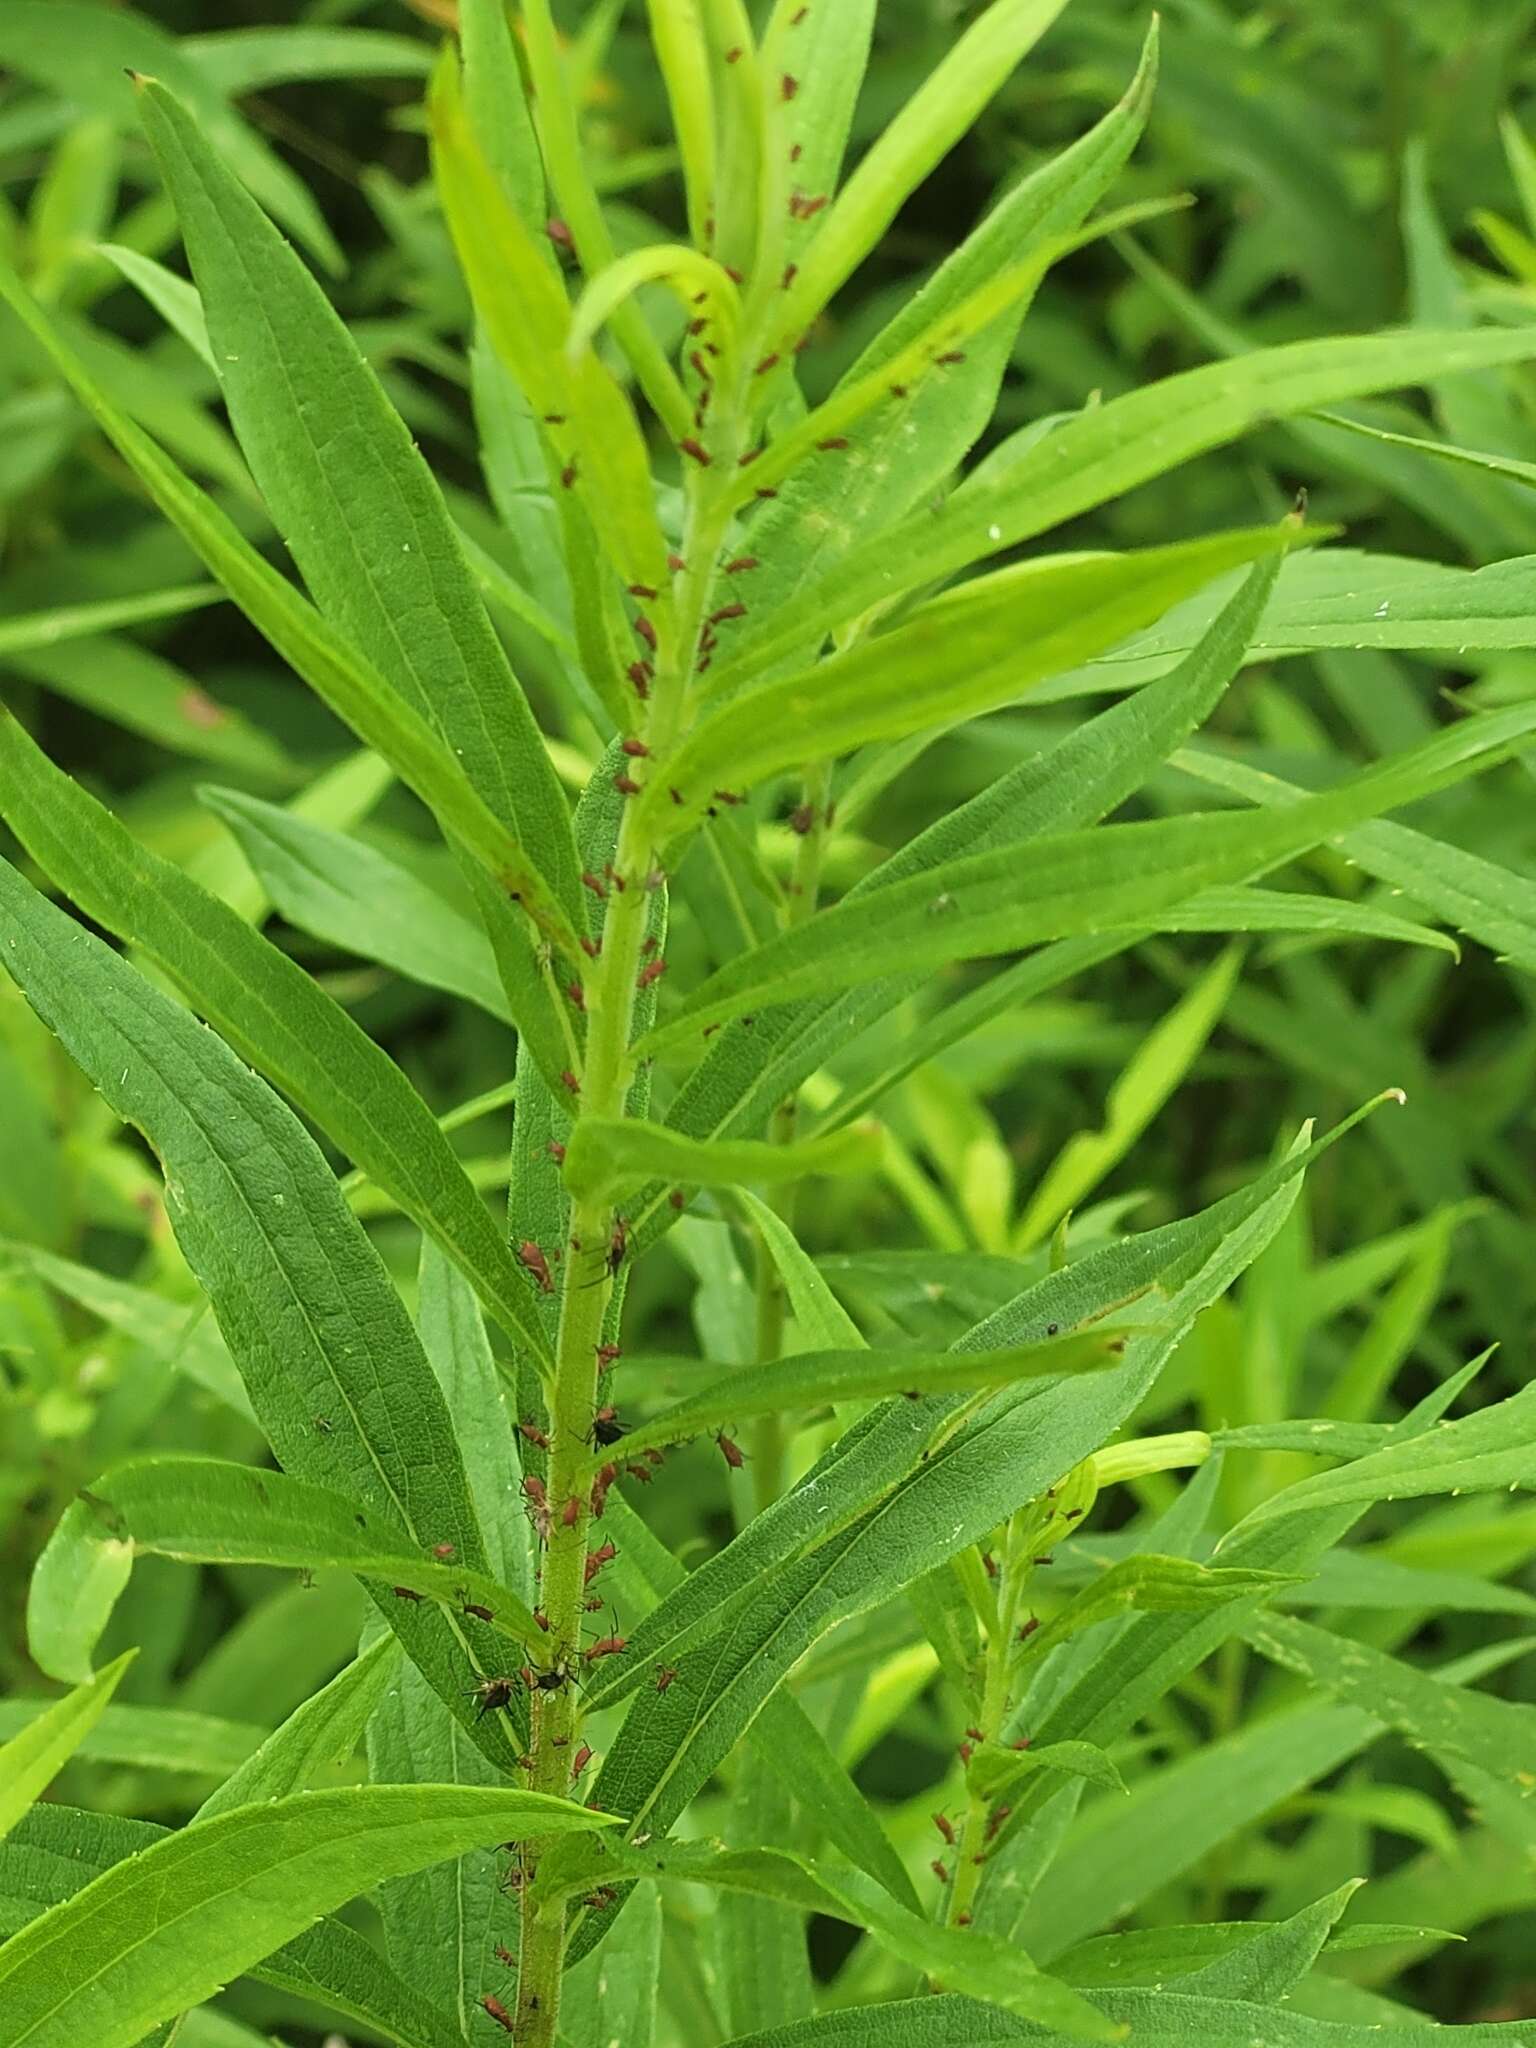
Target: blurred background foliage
(1353, 167)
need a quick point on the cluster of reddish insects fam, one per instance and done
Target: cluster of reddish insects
(996, 1818)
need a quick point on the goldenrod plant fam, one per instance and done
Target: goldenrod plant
(787, 1552)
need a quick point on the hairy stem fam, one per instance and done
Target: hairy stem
(597, 1243)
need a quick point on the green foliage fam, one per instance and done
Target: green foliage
(729, 580)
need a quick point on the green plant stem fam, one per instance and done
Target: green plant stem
(605, 1078)
(971, 1849)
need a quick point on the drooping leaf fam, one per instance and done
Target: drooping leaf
(991, 1969)
(206, 1511)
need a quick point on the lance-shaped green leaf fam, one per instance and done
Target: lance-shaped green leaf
(207, 1511)
(152, 1738)
(31, 1760)
(30, 632)
(1110, 449)
(944, 1482)
(1098, 765)
(1121, 1851)
(329, 1357)
(936, 348)
(1451, 1721)
(254, 1763)
(269, 1009)
(180, 1330)
(606, 1155)
(83, 52)
(560, 136)
(1150, 1076)
(969, 651)
(1159, 1585)
(527, 319)
(920, 137)
(497, 105)
(1149, 1955)
(904, 452)
(1267, 1969)
(1492, 1450)
(352, 895)
(352, 495)
(871, 1460)
(137, 689)
(989, 1968)
(169, 1928)
(1077, 883)
(1473, 894)
(337, 672)
(1155, 2018)
(814, 1379)
(58, 1850)
(677, 36)
(997, 1774)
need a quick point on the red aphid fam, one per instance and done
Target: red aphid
(570, 1513)
(678, 1199)
(405, 1593)
(792, 271)
(765, 366)
(646, 630)
(505, 1955)
(836, 442)
(741, 565)
(559, 233)
(596, 1559)
(637, 750)
(651, 974)
(664, 1676)
(946, 1827)
(498, 2012)
(479, 1613)
(606, 1646)
(733, 54)
(580, 1761)
(568, 476)
(618, 1244)
(939, 1871)
(606, 1354)
(676, 564)
(569, 1080)
(626, 785)
(442, 1552)
(955, 355)
(640, 676)
(534, 1259)
(788, 86)
(575, 995)
(734, 610)
(642, 590)
(730, 1451)
(641, 1473)
(696, 451)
